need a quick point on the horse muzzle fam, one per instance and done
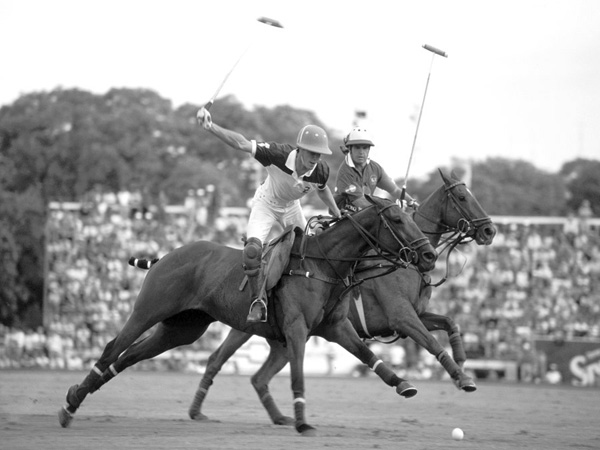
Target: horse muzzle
(485, 234)
(426, 258)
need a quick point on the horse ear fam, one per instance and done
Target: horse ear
(446, 180)
(453, 175)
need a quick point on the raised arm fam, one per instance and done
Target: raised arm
(232, 138)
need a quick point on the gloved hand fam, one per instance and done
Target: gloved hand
(413, 204)
(409, 204)
(204, 118)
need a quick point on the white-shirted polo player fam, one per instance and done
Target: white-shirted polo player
(293, 172)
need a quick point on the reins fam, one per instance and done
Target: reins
(404, 258)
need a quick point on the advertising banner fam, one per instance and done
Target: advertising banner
(578, 360)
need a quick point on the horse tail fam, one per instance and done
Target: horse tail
(142, 263)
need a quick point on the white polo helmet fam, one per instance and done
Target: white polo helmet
(358, 136)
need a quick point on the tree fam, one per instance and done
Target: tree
(507, 187)
(582, 178)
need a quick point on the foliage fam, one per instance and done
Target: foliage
(582, 178)
(507, 187)
(21, 246)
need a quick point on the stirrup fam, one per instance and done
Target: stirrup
(260, 316)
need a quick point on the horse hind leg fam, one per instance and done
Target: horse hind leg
(167, 335)
(132, 329)
(234, 340)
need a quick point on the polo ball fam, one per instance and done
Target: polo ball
(457, 434)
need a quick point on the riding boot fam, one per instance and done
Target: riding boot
(258, 308)
(252, 268)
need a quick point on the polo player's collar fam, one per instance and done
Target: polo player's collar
(290, 163)
(351, 163)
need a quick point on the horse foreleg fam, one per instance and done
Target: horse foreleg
(234, 340)
(296, 334)
(411, 325)
(436, 322)
(345, 335)
(260, 380)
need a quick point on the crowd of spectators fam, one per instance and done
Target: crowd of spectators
(533, 280)
(90, 286)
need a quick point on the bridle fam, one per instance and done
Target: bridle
(466, 226)
(408, 253)
(463, 232)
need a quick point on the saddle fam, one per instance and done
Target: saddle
(275, 258)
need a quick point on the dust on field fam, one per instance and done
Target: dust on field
(149, 410)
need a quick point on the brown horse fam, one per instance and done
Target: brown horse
(394, 304)
(198, 284)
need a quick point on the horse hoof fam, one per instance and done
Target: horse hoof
(468, 385)
(197, 415)
(284, 420)
(465, 383)
(306, 430)
(64, 417)
(406, 390)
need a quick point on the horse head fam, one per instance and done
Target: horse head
(396, 233)
(453, 208)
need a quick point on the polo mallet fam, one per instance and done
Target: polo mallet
(435, 51)
(266, 21)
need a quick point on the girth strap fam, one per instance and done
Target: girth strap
(324, 278)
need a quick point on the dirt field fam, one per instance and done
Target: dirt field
(143, 410)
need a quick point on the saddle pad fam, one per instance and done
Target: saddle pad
(278, 257)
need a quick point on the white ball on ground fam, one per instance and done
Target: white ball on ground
(457, 434)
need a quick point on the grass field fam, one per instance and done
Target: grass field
(148, 410)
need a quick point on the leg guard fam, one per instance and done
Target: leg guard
(253, 269)
(252, 256)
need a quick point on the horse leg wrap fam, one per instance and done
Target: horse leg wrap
(271, 407)
(107, 375)
(458, 350)
(448, 363)
(88, 386)
(384, 372)
(299, 407)
(200, 394)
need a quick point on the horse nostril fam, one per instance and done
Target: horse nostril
(490, 231)
(430, 257)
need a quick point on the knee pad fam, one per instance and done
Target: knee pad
(252, 254)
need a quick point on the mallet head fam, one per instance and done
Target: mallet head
(437, 51)
(272, 22)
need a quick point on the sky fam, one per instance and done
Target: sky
(521, 80)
